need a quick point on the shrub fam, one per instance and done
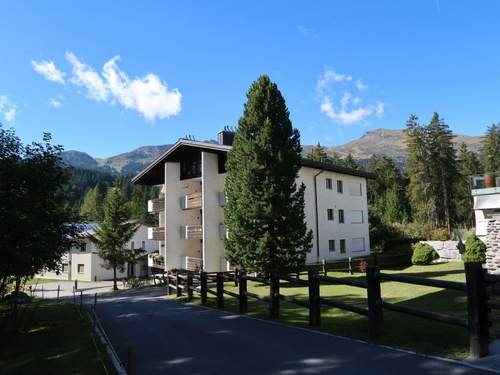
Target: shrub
(440, 234)
(133, 282)
(423, 254)
(475, 250)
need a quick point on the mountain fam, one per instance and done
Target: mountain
(387, 142)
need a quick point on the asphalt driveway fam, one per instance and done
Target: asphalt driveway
(170, 337)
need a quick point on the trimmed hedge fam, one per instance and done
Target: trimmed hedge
(475, 250)
(423, 254)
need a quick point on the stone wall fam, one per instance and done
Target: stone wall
(492, 241)
(447, 250)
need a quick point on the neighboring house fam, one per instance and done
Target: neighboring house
(191, 228)
(83, 262)
(486, 194)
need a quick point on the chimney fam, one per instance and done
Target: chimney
(226, 136)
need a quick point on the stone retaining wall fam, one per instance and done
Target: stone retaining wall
(447, 250)
(492, 241)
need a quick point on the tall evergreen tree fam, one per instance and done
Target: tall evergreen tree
(264, 213)
(350, 162)
(318, 153)
(114, 231)
(91, 207)
(490, 149)
(468, 164)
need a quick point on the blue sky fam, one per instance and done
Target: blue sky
(107, 77)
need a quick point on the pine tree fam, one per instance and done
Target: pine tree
(114, 231)
(264, 213)
(349, 162)
(318, 153)
(490, 149)
(468, 164)
(91, 207)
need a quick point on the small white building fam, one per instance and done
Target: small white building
(191, 204)
(82, 262)
(485, 191)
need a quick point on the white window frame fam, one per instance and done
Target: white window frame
(329, 183)
(331, 246)
(343, 241)
(78, 268)
(353, 189)
(341, 214)
(328, 210)
(354, 213)
(340, 186)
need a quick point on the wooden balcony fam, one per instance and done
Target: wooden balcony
(156, 205)
(156, 233)
(192, 232)
(191, 201)
(193, 264)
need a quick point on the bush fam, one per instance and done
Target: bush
(440, 234)
(423, 254)
(475, 250)
(133, 282)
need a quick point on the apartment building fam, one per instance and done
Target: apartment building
(191, 204)
(82, 261)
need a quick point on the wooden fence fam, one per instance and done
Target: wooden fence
(478, 319)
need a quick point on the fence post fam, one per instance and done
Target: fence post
(42, 292)
(323, 267)
(178, 290)
(274, 305)
(76, 285)
(243, 298)
(128, 368)
(167, 283)
(189, 286)
(58, 290)
(236, 273)
(350, 266)
(375, 311)
(220, 290)
(477, 309)
(203, 287)
(95, 300)
(81, 299)
(314, 299)
(74, 296)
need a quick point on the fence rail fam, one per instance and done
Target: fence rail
(477, 322)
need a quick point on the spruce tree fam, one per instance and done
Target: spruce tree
(490, 149)
(318, 153)
(349, 162)
(114, 231)
(264, 213)
(91, 208)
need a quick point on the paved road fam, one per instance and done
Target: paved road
(49, 290)
(169, 337)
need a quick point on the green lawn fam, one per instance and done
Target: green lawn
(401, 330)
(57, 340)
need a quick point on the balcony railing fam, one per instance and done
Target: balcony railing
(192, 232)
(191, 201)
(155, 260)
(156, 233)
(488, 183)
(193, 264)
(156, 205)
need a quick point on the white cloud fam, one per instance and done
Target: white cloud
(147, 95)
(49, 71)
(346, 109)
(55, 102)
(85, 76)
(7, 108)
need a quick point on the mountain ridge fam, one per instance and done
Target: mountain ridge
(387, 142)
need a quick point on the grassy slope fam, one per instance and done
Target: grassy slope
(402, 331)
(58, 341)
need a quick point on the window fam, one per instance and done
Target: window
(341, 216)
(329, 183)
(331, 246)
(356, 217)
(342, 246)
(83, 247)
(340, 186)
(355, 189)
(81, 268)
(329, 213)
(358, 245)
(143, 247)
(65, 267)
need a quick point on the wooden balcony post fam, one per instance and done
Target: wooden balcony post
(243, 298)
(477, 310)
(314, 299)
(203, 287)
(220, 290)
(274, 305)
(375, 311)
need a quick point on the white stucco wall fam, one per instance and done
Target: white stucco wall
(213, 214)
(333, 230)
(176, 248)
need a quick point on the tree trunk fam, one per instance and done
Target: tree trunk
(446, 202)
(115, 286)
